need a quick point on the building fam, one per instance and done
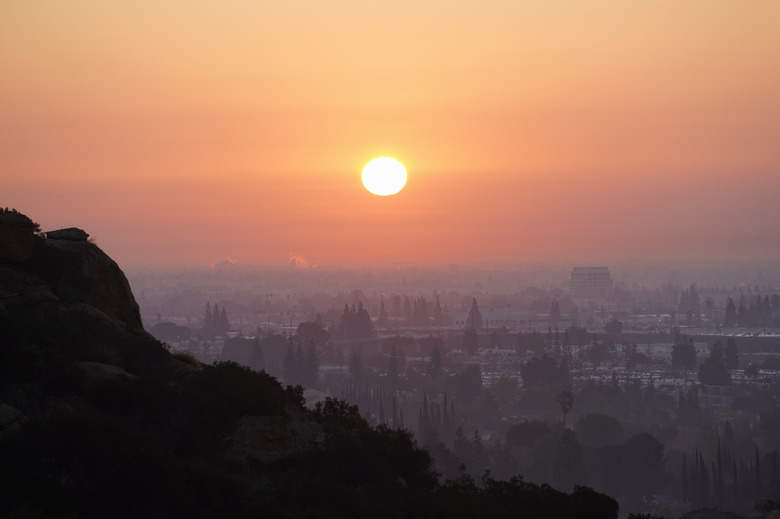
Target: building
(590, 282)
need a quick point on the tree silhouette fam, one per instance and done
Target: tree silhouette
(643, 464)
(555, 314)
(208, 317)
(311, 333)
(355, 323)
(468, 383)
(545, 373)
(223, 325)
(684, 356)
(731, 354)
(598, 429)
(382, 319)
(568, 466)
(470, 341)
(566, 401)
(215, 321)
(474, 319)
(730, 317)
(438, 316)
(713, 372)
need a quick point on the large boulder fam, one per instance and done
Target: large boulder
(67, 298)
(71, 234)
(87, 275)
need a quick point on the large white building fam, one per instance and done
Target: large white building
(590, 282)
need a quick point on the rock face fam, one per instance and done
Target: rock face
(63, 269)
(97, 278)
(71, 233)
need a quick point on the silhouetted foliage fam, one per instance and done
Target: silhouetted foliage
(598, 429)
(505, 389)
(462, 499)
(544, 372)
(12, 217)
(569, 465)
(355, 323)
(215, 321)
(474, 318)
(713, 372)
(731, 354)
(533, 341)
(470, 341)
(565, 399)
(643, 465)
(467, 384)
(684, 356)
(525, 434)
(311, 333)
(730, 318)
(614, 327)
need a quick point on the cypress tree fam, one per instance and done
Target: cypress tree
(224, 324)
(437, 313)
(382, 319)
(207, 318)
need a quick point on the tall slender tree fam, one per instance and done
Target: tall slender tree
(566, 401)
(474, 319)
(731, 354)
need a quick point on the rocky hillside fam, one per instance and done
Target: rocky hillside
(62, 266)
(98, 419)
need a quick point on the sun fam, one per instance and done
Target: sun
(384, 176)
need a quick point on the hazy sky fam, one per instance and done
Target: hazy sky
(185, 132)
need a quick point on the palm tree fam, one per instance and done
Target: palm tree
(566, 401)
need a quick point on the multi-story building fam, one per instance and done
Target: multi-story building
(590, 282)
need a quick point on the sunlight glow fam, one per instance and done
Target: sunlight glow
(384, 176)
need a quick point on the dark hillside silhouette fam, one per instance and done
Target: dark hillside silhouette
(99, 419)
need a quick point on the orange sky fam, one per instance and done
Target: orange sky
(184, 132)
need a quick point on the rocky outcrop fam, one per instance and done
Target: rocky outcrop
(61, 293)
(72, 269)
(70, 234)
(93, 278)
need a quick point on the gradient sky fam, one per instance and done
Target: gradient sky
(187, 132)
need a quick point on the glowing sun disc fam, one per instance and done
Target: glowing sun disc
(384, 176)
